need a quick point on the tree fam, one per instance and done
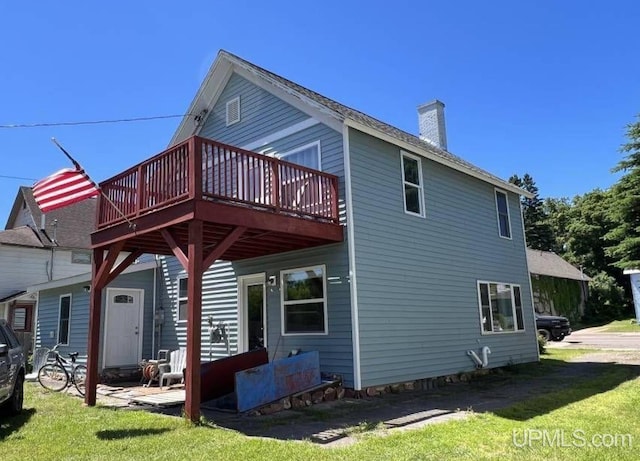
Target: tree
(536, 227)
(558, 211)
(590, 220)
(624, 237)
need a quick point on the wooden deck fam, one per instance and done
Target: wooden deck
(202, 201)
(283, 206)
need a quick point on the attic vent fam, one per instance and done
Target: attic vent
(233, 111)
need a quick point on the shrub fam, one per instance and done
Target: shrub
(606, 299)
(542, 344)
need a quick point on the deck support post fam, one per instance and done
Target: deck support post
(194, 320)
(95, 310)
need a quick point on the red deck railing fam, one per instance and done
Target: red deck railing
(200, 168)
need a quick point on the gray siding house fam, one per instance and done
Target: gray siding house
(433, 264)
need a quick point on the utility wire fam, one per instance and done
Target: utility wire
(16, 177)
(91, 122)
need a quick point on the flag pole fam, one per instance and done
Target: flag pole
(78, 167)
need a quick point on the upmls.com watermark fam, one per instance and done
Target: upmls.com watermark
(559, 438)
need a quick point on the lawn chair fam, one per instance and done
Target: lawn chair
(39, 359)
(174, 369)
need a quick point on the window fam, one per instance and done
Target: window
(304, 301)
(81, 257)
(500, 307)
(182, 298)
(233, 111)
(412, 179)
(20, 316)
(502, 208)
(308, 156)
(64, 323)
(123, 299)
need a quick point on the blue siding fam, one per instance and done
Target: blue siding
(336, 347)
(417, 277)
(49, 306)
(261, 113)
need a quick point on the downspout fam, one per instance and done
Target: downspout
(355, 322)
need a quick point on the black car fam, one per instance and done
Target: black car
(12, 371)
(553, 327)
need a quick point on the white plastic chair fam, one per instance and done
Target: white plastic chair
(177, 363)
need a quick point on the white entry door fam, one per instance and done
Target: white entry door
(123, 327)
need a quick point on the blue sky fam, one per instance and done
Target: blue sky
(538, 87)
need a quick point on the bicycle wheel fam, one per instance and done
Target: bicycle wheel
(79, 377)
(53, 377)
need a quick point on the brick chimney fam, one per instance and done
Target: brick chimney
(431, 123)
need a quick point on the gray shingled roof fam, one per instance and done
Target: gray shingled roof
(548, 263)
(21, 236)
(74, 222)
(344, 112)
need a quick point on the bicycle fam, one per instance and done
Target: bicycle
(54, 376)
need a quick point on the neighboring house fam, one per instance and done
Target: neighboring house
(36, 248)
(63, 316)
(383, 251)
(558, 287)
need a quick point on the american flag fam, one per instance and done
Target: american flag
(63, 188)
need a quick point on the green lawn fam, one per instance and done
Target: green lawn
(622, 326)
(57, 427)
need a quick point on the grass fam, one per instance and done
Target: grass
(58, 427)
(622, 326)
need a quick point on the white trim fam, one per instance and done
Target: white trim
(306, 301)
(269, 139)
(225, 64)
(353, 288)
(178, 298)
(513, 308)
(86, 277)
(420, 186)
(231, 102)
(106, 323)
(288, 95)
(436, 158)
(506, 198)
(282, 155)
(65, 295)
(243, 282)
(204, 98)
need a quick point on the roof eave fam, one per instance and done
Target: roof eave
(436, 158)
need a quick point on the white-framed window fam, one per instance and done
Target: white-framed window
(304, 301)
(80, 257)
(502, 210)
(182, 301)
(308, 155)
(412, 183)
(233, 111)
(500, 307)
(64, 319)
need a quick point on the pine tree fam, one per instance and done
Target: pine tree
(625, 205)
(536, 226)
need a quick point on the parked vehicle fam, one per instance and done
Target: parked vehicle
(553, 327)
(12, 371)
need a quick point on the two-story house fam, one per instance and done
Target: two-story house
(36, 248)
(301, 223)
